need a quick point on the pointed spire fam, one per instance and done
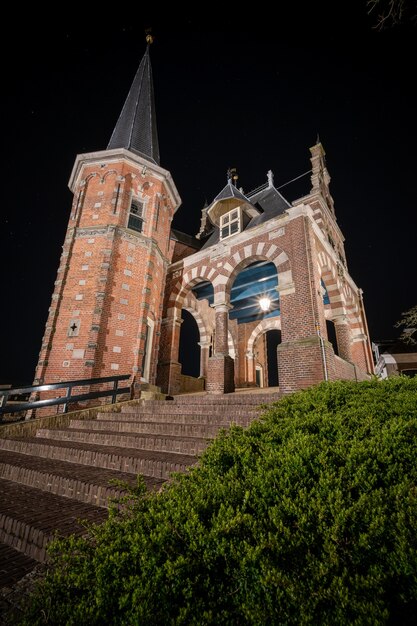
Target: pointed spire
(136, 127)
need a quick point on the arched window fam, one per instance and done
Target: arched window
(135, 221)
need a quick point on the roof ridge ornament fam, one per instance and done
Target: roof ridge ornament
(232, 175)
(270, 176)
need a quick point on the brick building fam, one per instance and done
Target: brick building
(258, 264)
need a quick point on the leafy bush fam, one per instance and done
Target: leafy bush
(307, 517)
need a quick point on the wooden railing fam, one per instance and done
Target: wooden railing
(6, 406)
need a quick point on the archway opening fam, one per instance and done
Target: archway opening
(257, 281)
(189, 350)
(273, 339)
(266, 360)
(331, 335)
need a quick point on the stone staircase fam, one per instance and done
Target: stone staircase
(50, 481)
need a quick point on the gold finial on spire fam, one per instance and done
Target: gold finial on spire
(149, 36)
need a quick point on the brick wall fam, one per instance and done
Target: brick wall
(108, 287)
(303, 257)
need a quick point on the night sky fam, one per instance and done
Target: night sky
(232, 90)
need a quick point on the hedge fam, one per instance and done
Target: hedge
(309, 516)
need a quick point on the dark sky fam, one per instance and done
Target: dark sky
(249, 91)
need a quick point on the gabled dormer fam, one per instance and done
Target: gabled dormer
(231, 211)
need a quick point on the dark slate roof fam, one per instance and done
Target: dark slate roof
(230, 191)
(136, 127)
(213, 238)
(188, 240)
(270, 201)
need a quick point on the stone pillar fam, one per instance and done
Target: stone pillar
(343, 337)
(220, 374)
(221, 346)
(360, 352)
(300, 354)
(251, 378)
(204, 357)
(169, 369)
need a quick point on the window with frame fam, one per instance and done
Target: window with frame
(230, 223)
(135, 221)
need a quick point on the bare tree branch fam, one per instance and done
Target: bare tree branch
(409, 322)
(389, 13)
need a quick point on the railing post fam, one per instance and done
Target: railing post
(66, 399)
(68, 396)
(114, 394)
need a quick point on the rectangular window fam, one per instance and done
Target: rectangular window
(136, 216)
(230, 223)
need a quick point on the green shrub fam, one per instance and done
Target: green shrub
(307, 517)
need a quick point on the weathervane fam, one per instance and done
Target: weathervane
(232, 175)
(149, 36)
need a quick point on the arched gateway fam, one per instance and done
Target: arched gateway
(259, 263)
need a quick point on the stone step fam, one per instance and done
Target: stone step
(49, 482)
(152, 395)
(169, 408)
(147, 462)
(29, 518)
(144, 441)
(151, 427)
(13, 565)
(254, 399)
(80, 482)
(149, 387)
(218, 417)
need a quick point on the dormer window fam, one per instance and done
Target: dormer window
(135, 221)
(230, 223)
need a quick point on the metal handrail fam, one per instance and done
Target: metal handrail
(65, 400)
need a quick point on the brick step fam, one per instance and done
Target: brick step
(191, 409)
(196, 417)
(144, 441)
(81, 482)
(151, 427)
(13, 565)
(146, 462)
(50, 481)
(244, 398)
(29, 518)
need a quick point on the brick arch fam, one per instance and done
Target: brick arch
(78, 202)
(188, 280)
(231, 345)
(271, 323)
(103, 178)
(203, 329)
(351, 300)
(329, 275)
(262, 251)
(353, 311)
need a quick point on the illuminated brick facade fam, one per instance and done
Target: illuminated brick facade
(125, 275)
(106, 308)
(306, 247)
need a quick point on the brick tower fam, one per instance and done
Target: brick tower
(105, 313)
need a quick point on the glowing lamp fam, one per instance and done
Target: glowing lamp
(264, 303)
